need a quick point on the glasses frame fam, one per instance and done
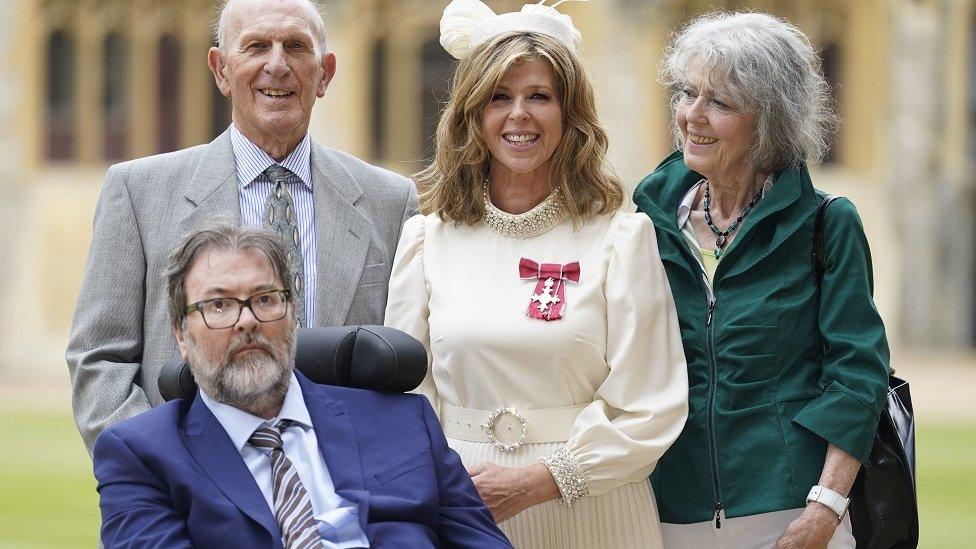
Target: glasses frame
(241, 303)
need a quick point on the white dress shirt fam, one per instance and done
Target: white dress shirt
(254, 187)
(301, 447)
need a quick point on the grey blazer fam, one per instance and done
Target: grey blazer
(121, 334)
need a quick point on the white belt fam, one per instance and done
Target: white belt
(509, 428)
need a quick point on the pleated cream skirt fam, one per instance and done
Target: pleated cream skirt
(622, 518)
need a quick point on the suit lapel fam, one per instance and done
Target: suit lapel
(212, 189)
(209, 444)
(338, 445)
(341, 234)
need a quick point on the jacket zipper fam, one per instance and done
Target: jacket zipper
(713, 370)
(716, 483)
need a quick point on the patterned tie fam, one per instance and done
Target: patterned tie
(292, 507)
(279, 219)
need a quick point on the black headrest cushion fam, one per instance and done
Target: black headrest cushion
(365, 357)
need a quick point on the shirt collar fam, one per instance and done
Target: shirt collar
(251, 160)
(240, 425)
(684, 207)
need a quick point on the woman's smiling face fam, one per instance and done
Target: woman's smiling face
(716, 134)
(523, 121)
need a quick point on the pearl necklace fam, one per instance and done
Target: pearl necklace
(540, 219)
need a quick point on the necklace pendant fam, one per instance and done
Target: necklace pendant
(718, 253)
(720, 241)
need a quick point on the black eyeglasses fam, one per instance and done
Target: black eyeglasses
(224, 312)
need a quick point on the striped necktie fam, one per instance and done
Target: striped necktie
(279, 219)
(292, 506)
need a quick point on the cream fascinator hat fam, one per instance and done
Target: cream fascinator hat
(467, 23)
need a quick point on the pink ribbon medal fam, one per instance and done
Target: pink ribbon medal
(549, 298)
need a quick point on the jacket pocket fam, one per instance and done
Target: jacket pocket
(410, 464)
(749, 353)
(784, 416)
(373, 274)
(368, 305)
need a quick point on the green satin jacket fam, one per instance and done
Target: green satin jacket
(766, 394)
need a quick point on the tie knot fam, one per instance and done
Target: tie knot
(267, 437)
(277, 173)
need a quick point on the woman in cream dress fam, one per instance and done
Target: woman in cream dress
(556, 362)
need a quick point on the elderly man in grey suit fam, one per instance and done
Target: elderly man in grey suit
(340, 217)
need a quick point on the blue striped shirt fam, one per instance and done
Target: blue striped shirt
(254, 188)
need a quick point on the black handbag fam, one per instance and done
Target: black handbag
(884, 508)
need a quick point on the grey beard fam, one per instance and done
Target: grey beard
(255, 383)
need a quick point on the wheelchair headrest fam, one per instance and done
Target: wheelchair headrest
(364, 357)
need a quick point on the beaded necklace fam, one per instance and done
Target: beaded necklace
(722, 236)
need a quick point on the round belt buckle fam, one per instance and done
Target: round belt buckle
(489, 429)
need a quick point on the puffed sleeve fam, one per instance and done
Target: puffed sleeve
(855, 360)
(641, 407)
(407, 306)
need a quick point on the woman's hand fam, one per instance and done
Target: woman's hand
(816, 525)
(811, 530)
(507, 491)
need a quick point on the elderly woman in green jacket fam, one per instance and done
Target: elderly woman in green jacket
(786, 384)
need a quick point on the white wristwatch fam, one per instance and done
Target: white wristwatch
(830, 498)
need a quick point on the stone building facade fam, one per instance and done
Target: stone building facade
(97, 81)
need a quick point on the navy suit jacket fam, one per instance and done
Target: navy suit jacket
(171, 477)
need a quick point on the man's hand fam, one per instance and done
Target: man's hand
(812, 530)
(507, 491)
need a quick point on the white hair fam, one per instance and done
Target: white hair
(316, 22)
(769, 68)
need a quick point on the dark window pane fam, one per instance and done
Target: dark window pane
(438, 69)
(170, 75)
(59, 111)
(378, 100)
(115, 93)
(219, 111)
(972, 148)
(831, 56)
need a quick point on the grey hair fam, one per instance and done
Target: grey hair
(769, 68)
(316, 21)
(219, 236)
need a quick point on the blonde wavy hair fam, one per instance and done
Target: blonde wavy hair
(451, 186)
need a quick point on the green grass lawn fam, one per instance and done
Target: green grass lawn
(946, 481)
(48, 499)
(47, 491)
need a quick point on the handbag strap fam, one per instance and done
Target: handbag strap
(819, 249)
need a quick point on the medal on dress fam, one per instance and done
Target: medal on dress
(548, 301)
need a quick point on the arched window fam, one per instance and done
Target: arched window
(59, 100)
(438, 69)
(115, 96)
(170, 76)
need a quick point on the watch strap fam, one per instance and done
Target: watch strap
(830, 498)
